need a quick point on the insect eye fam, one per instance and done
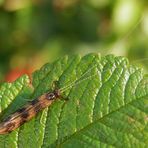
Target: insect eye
(51, 96)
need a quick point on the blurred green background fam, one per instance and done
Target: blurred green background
(33, 32)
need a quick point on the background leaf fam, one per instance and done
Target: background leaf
(107, 110)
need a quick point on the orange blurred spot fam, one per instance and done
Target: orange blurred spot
(16, 73)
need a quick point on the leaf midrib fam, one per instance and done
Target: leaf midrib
(97, 120)
(115, 67)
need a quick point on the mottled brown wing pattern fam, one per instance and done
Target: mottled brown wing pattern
(27, 112)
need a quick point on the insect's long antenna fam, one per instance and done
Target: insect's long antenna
(63, 90)
(133, 28)
(125, 36)
(78, 82)
(89, 70)
(122, 38)
(41, 104)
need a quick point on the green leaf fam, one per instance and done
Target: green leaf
(109, 109)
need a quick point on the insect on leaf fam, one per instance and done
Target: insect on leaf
(107, 105)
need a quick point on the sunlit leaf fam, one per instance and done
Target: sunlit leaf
(107, 107)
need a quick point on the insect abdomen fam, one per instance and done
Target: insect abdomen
(24, 114)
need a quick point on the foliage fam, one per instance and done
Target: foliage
(42, 30)
(108, 109)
